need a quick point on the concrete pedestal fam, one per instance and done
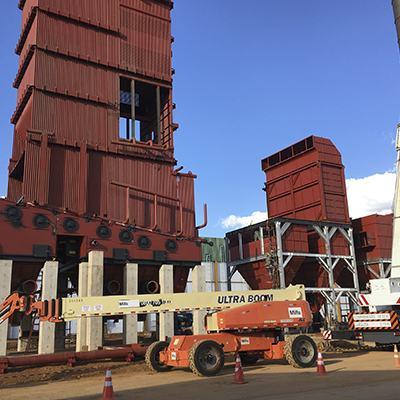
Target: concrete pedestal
(199, 285)
(95, 288)
(131, 287)
(5, 289)
(81, 328)
(166, 319)
(47, 330)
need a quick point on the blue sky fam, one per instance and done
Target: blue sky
(253, 77)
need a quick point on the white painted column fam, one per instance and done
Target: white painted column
(47, 330)
(199, 285)
(166, 319)
(81, 328)
(95, 288)
(131, 287)
(5, 289)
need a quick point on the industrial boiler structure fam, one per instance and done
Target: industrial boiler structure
(92, 169)
(309, 237)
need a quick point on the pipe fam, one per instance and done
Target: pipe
(135, 350)
(114, 287)
(152, 287)
(205, 218)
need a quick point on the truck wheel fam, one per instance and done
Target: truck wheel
(153, 357)
(249, 358)
(206, 358)
(300, 351)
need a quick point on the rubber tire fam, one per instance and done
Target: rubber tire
(248, 359)
(152, 360)
(195, 355)
(291, 344)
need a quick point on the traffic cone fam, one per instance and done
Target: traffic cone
(238, 377)
(108, 391)
(320, 365)
(396, 357)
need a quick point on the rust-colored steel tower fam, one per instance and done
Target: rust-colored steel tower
(93, 164)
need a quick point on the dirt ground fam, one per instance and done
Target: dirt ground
(352, 375)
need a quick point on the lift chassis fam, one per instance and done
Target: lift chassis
(255, 331)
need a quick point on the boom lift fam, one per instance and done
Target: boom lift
(254, 331)
(253, 323)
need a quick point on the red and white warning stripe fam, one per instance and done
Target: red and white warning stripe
(327, 335)
(363, 300)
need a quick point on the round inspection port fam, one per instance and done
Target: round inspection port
(40, 221)
(126, 236)
(13, 213)
(103, 232)
(171, 245)
(144, 242)
(70, 225)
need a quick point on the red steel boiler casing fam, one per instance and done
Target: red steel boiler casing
(373, 236)
(306, 181)
(94, 140)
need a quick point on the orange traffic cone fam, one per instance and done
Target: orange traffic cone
(238, 376)
(320, 365)
(108, 391)
(396, 357)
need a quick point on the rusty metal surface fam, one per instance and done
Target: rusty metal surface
(306, 181)
(67, 151)
(72, 55)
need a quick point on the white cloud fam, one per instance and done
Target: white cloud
(371, 195)
(236, 222)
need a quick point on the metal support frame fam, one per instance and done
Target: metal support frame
(384, 265)
(327, 260)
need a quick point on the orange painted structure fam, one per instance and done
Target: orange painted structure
(92, 166)
(254, 331)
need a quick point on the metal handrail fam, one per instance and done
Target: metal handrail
(156, 196)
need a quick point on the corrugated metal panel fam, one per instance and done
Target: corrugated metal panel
(157, 9)
(28, 78)
(373, 237)
(104, 12)
(73, 77)
(64, 184)
(68, 119)
(29, 4)
(147, 48)
(57, 33)
(306, 181)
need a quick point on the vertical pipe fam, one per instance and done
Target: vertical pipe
(158, 116)
(127, 198)
(133, 109)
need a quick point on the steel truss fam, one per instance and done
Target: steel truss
(327, 260)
